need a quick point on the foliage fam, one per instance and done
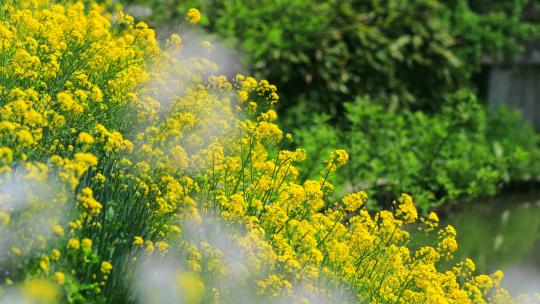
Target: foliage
(412, 53)
(459, 154)
(508, 130)
(130, 170)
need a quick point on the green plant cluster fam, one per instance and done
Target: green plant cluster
(411, 53)
(458, 154)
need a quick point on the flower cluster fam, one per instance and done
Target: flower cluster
(146, 146)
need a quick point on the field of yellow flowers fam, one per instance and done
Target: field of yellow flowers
(131, 172)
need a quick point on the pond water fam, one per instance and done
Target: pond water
(503, 234)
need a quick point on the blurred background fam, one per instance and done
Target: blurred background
(436, 98)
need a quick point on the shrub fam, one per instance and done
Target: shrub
(508, 130)
(413, 53)
(459, 154)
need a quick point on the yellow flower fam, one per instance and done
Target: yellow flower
(484, 282)
(44, 264)
(138, 240)
(40, 291)
(74, 243)
(6, 155)
(193, 16)
(25, 138)
(497, 276)
(100, 178)
(242, 95)
(86, 159)
(106, 267)
(56, 254)
(354, 201)
(86, 199)
(149, 246)
(58, 229)
(406, 209)
(207, 45)
(7, 126)
(162, 246)
(87, 244)
(337, 159)
(174, 40)
(4, 218)
(431, 222)
(174, 228)
(190, 286)
(342, 157)
(16, 250)
(60, 277)
(85, 138)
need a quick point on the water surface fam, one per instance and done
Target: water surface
(503, 234)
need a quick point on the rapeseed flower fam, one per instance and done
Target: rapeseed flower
(106, 267)
(89, 103)
(193, 16)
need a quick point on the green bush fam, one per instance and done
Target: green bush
(409, 52)
(460, 153)
(509, 130)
